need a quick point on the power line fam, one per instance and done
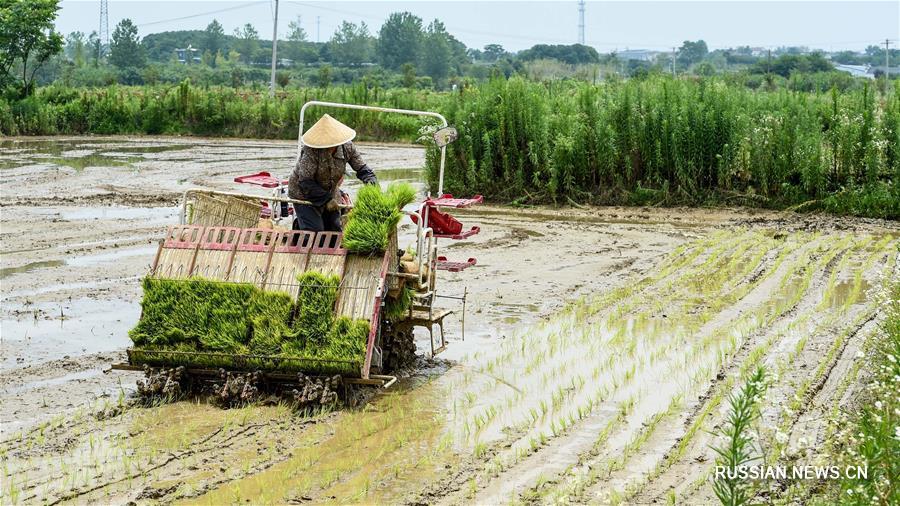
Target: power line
(274, 50)
(200, 14)
(453, 29)
(887, 67)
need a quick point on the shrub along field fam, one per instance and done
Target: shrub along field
(667, 141)
(185, 109)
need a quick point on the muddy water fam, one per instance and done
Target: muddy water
(526, 381)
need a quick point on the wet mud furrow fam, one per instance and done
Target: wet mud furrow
(685, 455)
(117, 463)
(568, 449)
(601, 482)
(684, 470)
(559, 448)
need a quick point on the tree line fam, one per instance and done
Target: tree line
(404, 52)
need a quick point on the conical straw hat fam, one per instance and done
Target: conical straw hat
(327, 133)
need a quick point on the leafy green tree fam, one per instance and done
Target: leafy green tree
(400, 40)
(125, 49)
(247, 42)
(436, 56)
(95, 47)
(786, 64)
(282, 79)
(296, 33)
(848, 58)
(692, 52)
(705, 69)
(297, 46)
(409, 75)
(493, 52)
(351, 44)
(27, 40)
(213, 41)
(573, 54)
(324, 76)
(76, 48)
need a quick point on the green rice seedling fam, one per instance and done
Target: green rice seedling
(269, 318)
(346, 340)
(315, 306)
(396, 308)
(375, 216)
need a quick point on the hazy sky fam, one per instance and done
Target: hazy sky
(519, 25)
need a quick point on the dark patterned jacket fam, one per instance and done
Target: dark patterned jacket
(318, 173)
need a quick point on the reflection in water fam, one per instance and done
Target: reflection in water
(9, 271)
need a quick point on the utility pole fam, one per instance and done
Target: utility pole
(887, 68)
(103, 34)
(581, 22)
(274, 50)
(673, 61)
(318, 28)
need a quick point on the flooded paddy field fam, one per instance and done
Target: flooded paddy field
(600, 347)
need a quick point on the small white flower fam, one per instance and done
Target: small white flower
(860, 354)
(878, 404)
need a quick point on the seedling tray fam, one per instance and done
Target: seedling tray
(246, 363)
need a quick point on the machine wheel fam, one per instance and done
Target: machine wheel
(398, 346)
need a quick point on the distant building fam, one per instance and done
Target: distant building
(855, 70)
(867, 71)
(637, 54)
(188, 54)
(879, 70)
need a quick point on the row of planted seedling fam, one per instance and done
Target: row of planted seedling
(733, 342)
(708, 351)
(797, 326)
(561, 424)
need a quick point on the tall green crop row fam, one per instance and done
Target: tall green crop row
(214, 111)
(675, 141)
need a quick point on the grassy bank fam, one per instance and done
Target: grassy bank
(870, 436)
(663, 141)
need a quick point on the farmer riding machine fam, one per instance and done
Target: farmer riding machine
(226, 261)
